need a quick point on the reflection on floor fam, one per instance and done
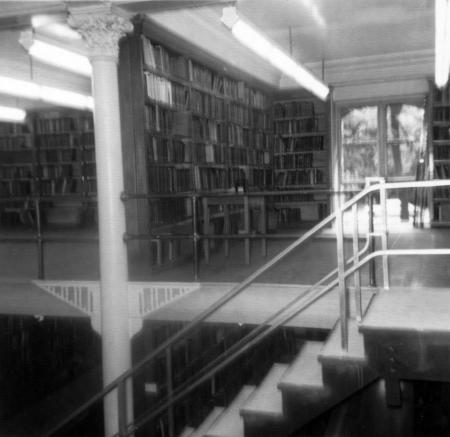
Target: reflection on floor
(79, 260)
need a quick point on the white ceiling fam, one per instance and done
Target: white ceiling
(367, 39)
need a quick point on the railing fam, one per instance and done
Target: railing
(281, 317)
(32, 205)
(195, 220)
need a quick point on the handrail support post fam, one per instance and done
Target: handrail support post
(357, 276)
(343, 301)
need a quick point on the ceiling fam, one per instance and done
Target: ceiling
(375, 34)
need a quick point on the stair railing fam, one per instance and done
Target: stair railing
(302, 302)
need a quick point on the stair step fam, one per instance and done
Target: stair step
(230, 423)
(333, 352)
(187, 432)
(208, 422)
(266, 399)
(306, 370)
(304, 393)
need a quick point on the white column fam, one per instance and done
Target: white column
(102, 28)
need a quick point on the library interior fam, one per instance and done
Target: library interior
(225, 218)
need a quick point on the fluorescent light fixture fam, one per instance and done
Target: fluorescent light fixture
(54, 25)
(442, 42)
(262, 46)
(55, 55)
(14, 115)
(31, 90)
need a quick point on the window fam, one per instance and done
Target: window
(384, 140)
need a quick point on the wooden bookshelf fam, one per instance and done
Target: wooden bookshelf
(440, 154)
(53, 155)
(187, 128)
(301, 158)
(17, 157)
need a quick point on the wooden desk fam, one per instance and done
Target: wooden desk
(248, 203)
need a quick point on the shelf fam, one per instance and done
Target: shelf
(302, 134)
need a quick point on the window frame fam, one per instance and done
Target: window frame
(382, 149)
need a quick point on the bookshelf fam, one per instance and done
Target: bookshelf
(53, 155)
(17, 158)
(188, 127)
(301, 160)
(440, 154)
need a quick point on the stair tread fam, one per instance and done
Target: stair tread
(208, 422)
(332, 349)
(187, 432)
(266, 399)
(305, 369)
(230, 423)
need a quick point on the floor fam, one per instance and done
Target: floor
(78, 259)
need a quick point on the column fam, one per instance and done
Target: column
(102, 27)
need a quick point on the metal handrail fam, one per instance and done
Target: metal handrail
(258, 334)
(119, 381)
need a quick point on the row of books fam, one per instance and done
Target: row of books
(441, 133)
(209, 154)
(300, 160)
(16, 188)
(15, 142)
(166, 211)
(299, 144)
(294, 109)
(442, 171)
(167, 151)
(207, 130)
(261, 178)
(441, 152)
(258, 157)
(238, 155)
(162, 90)
(170, 179)
(16, 172)
(442, 95)
(53, 124)
(230, 88)
(207, 178)
(441, 114)
(56, 171)
(172, 150)
(59, 186)
(158, 119)
(16, 156)
(60, 155)
(313, 176)
(297, 126)
(158, 57)
(13, 128)
(60, 140)
(207, 105)
(441, 193)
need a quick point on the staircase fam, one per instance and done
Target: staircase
(292, 395)
(402, 334)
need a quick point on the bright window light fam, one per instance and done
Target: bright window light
(33, 91)
(442, 42)
(255, 41)
(14, 115)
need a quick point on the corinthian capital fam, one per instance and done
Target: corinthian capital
(101, 27)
